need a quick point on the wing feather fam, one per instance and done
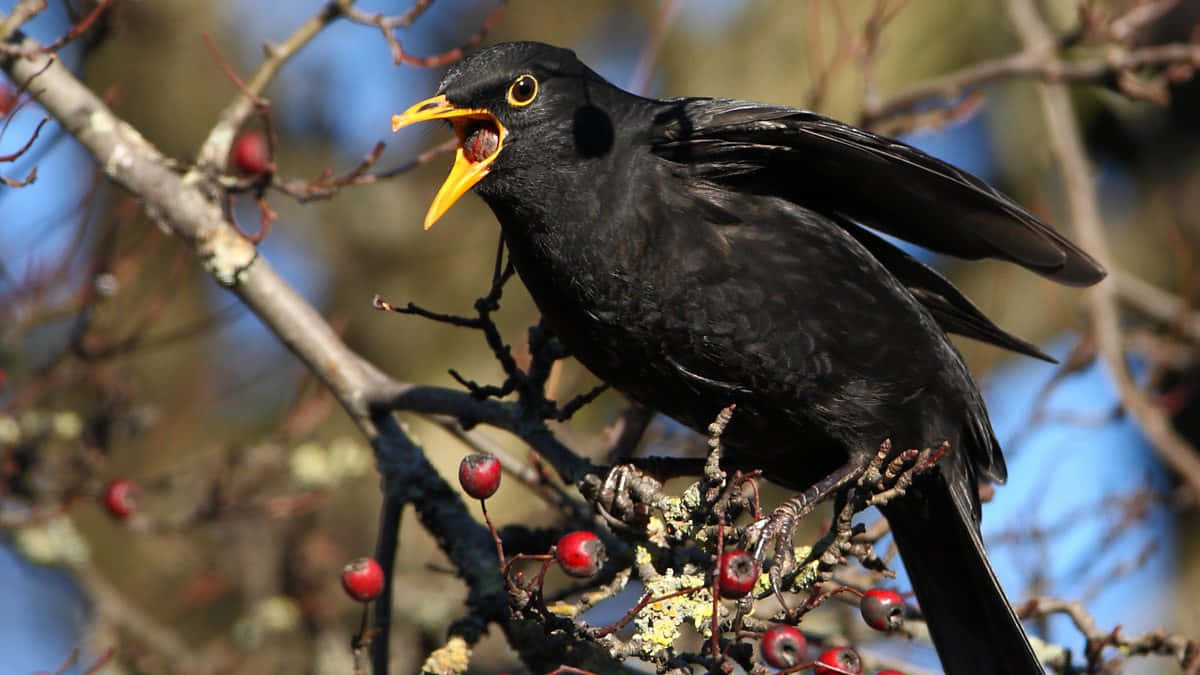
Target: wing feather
(831, 167)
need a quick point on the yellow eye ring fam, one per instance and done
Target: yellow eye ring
(523, 90)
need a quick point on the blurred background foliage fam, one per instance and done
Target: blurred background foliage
(229, 406)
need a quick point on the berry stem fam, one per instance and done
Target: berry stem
(716, 591)
(495, 535)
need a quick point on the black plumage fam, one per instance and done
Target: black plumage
(699, 252)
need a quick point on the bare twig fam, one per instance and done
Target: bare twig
(1183, 650)
(388, 25)
(28, 144)
(1156, 303)
(1032, 63)
(22, 12)
(215, 148)
(326, 185)
(74, 32)
(112, 605)
(1066, 146)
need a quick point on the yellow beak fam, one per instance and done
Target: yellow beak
(466, 172)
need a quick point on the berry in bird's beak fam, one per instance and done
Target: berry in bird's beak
(480, 140)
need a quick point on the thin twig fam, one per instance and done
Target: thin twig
(1183, 650)
(28, 144)
(388, 25)
(1156, 303)
(1030, 63)
(1066, 146)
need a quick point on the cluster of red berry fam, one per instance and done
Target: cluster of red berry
(579, 554)
(785, 646)
(582, 554)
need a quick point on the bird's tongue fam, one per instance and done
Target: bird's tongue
(480, 142)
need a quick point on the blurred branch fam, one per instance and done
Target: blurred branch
(388, 25)
(111, 604)
(1040, 64)
(74, 32)
(1156, 303)
(23, 11)
(28, 144)
(215, 148)
(1183, 650)
(1066, 146)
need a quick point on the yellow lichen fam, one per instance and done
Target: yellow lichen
(563, 609)
(450, 659)
(658, 623)
(656, 531)
(641, 555)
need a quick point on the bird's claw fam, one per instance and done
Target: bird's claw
(625, 496)
(777, 530)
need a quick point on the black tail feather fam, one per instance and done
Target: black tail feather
(974, 628)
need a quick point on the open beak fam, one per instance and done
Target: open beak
(480, 140)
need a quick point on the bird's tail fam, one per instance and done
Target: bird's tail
(974, 628)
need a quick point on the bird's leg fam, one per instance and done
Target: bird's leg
(781, 525)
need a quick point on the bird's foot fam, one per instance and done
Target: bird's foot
(779, 528)
(885, 477)
(885, 480)
(624, 496)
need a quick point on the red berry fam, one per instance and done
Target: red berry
(8, 99)
(738, 572)
(838, 661)
(882, 609)
(479, 475)
(120, 498)
(783, 646)
(251, 154)
(363, 579)
(480, 143)
(580, 553)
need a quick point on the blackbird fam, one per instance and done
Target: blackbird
(698, 252)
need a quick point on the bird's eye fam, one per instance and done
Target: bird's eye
(523, 90)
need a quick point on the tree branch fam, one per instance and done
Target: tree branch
(1066, 146)
(1033, 63)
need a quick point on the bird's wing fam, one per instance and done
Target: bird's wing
(833, 167)
(953, 311)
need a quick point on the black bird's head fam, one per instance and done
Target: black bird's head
(516, 104)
